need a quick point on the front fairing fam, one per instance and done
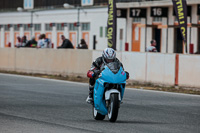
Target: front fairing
(107, 76)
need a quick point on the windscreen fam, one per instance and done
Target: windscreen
(114, 66)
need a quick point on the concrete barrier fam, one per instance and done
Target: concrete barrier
(135, 64)
(7, 59)
(161, 68)
(189, 70)
(143, 67)
(46, 61)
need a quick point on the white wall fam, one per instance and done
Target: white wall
(135, 64)
(171, 32)
(161, 68)
(95, 16)
(189, 70)
(194, 32)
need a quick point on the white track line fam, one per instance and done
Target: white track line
(163, 92)
(46, 79)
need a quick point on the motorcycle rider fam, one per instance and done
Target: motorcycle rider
(108, 55)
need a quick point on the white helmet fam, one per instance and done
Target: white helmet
(109, 54)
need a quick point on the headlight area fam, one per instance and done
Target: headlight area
(109, 86)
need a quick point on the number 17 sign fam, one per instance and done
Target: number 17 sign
(138, 12)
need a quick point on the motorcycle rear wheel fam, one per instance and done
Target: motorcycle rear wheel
(96, 115)
(113, 107)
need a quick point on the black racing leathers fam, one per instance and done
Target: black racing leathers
(96, 67)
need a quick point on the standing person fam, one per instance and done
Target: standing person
(19, 42)
(152, 48)
(31, 43)
(40, 42)
(66, 43)
(44, 42)
(24, 41)
(47, 42)
(82, 45)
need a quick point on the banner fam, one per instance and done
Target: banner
(112, 24)
(180, 8)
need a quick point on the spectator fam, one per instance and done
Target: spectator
(82, 45)
(19, 42)
(31, 43)
(40, 42)
(152, 48)
(44, 42)
(24, 41)
(66, 43)
(47, 42)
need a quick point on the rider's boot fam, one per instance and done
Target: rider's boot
(90, 97)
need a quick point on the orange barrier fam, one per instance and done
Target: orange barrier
(176, 69)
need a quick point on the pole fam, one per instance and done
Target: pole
(78, 24)
(190, 34)
(31, 24)
(167, 35)
(145, 46)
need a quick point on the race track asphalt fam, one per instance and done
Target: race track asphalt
(36, 105)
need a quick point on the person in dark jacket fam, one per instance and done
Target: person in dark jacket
(31, 43)
(66, 43)
(82, 45)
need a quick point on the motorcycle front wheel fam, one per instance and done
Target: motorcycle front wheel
(113, 107)
(96, 115)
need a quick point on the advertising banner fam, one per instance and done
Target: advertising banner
(112, 24)
(180, 8)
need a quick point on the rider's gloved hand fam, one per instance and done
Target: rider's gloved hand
(90, 74)
(127, 75)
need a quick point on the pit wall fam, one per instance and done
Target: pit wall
(155, 68)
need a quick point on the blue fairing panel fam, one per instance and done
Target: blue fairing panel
(107, 76)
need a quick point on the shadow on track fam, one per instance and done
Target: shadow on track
(139, 122)
(128, 122)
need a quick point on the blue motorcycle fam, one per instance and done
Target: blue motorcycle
(108, 91)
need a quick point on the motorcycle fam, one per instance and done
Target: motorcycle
(108, 92)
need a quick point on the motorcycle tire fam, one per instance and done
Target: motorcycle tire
(113, 107)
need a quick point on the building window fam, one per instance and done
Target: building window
(26, 27)
(59, 27)
(157, 19)
(6, 28)
(37, 27)
(72, 27)
(137, 20)
(16, 27)
(48, 27)
(85, 26)
(101, 31)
